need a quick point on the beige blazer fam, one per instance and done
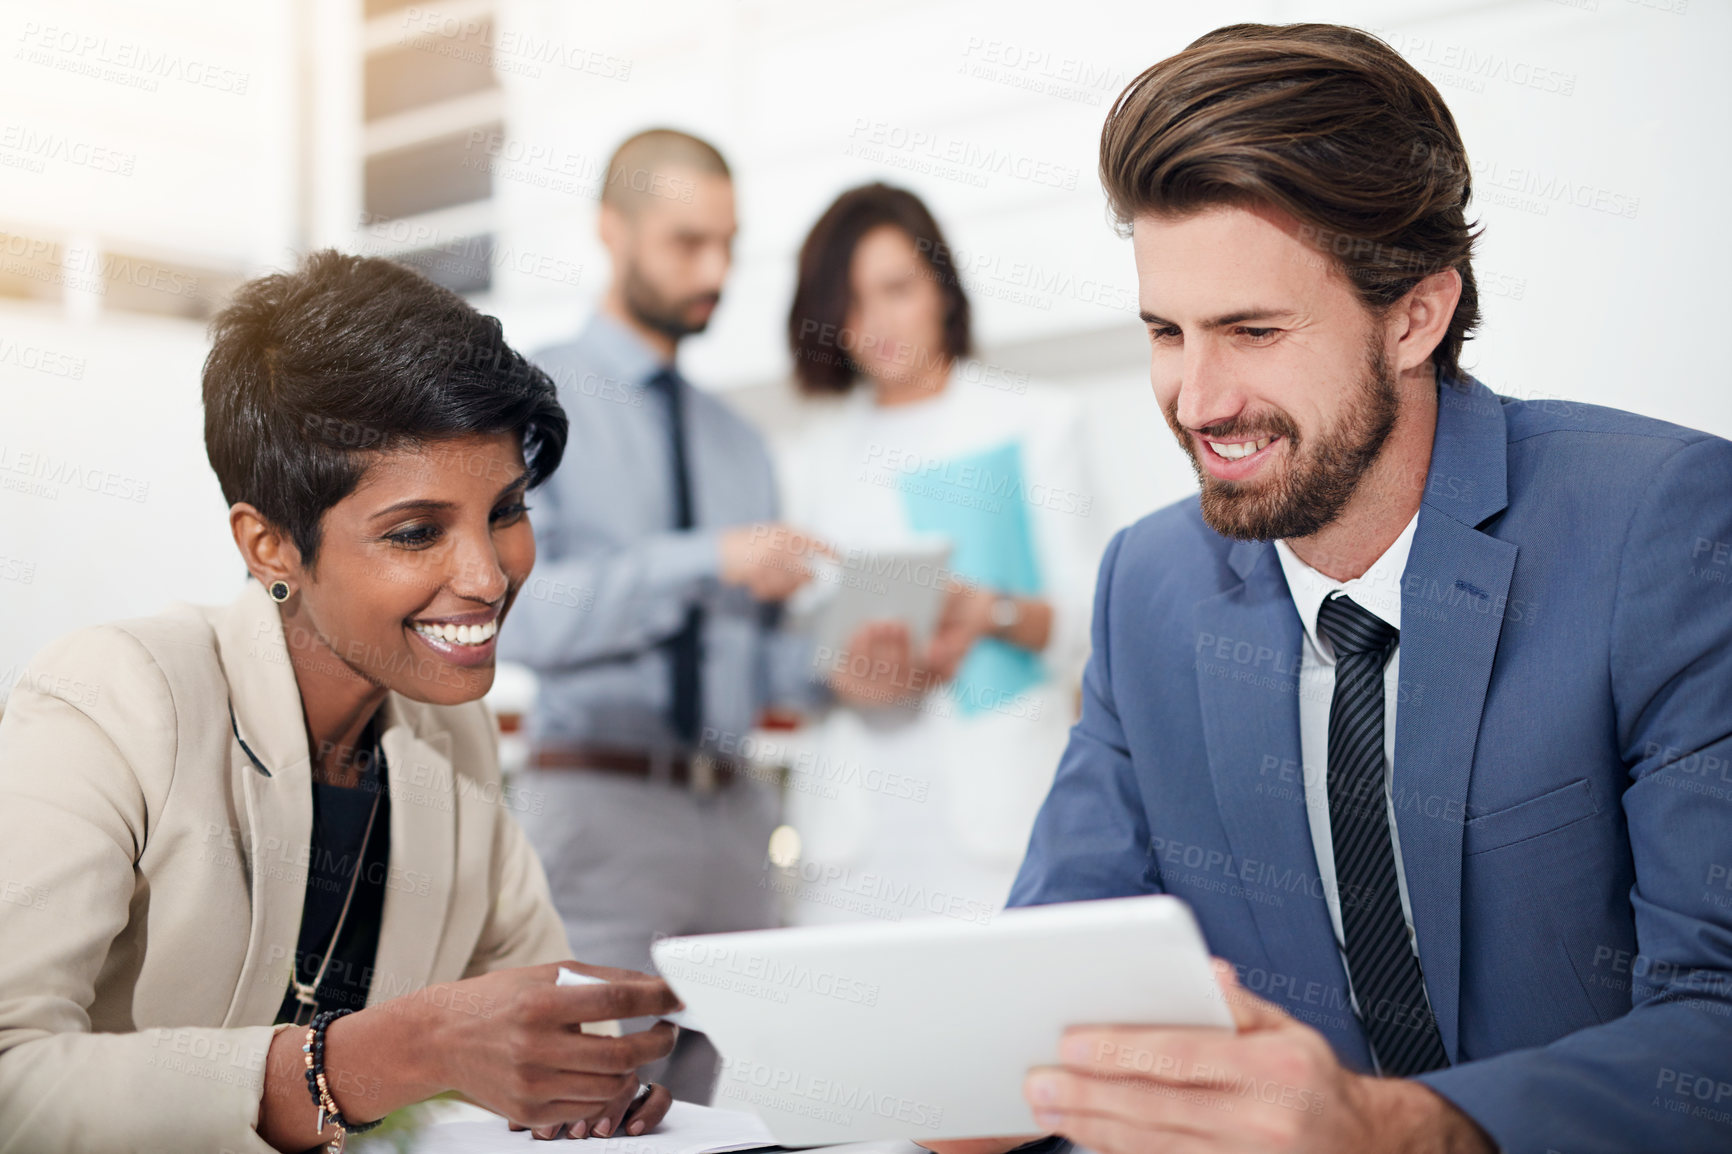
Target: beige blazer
(153, 850)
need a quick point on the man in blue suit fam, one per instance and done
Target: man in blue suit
(1425, 706)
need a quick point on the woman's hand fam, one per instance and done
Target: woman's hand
(878, 667)
(512, 1041)
(967, 617)
(628, 1114)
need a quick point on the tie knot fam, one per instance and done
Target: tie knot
(1351, 628)
(664, 380)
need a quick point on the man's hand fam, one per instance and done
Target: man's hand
(1273, 1085)
(878, 667)
(768, 559)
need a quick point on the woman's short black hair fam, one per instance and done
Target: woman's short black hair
(313, 372)
(821, 297)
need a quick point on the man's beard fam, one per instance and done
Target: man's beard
(1317, 482)
(654, 311)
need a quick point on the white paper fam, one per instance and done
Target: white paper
(687, 1129)
(680, 1018)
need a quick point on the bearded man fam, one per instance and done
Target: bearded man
(1425, 706)
(652, 614)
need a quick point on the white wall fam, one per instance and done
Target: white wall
(1623, 309)
(166, 131)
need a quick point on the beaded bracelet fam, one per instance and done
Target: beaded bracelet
(314, 1049)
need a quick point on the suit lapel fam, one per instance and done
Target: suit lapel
(1250, 709)
(423, 850)
(268, 759)
(1452, 599)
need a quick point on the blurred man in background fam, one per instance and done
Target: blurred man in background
(652, 618)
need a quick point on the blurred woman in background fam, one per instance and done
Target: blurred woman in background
(222, 826)
(936, 790)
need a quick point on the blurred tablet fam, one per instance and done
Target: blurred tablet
(925, 1029)
(906, 583)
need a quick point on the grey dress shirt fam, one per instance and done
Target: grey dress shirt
(613, 578)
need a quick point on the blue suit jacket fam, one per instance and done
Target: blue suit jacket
(1562, 773)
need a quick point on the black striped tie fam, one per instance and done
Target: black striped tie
(1381, 964)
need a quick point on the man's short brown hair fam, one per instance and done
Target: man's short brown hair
(638, 168)
(1328, 124)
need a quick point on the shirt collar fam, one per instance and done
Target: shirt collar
(1377, 590)
(619, 352)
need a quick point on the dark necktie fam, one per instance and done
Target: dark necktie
(685, 647)
(1381, 964)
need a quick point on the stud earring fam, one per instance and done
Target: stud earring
(279, 591)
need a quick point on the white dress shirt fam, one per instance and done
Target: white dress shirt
(1378, 591)
(981, 774)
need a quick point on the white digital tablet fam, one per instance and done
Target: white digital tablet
(925, 1029)
(906, 583)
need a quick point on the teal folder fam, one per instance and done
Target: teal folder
(980, 502)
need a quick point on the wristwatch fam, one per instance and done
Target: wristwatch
(1006, 613)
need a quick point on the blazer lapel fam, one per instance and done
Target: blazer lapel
(270, 761)
(1452, 601)
(1250, 710)
(272, 775)
(423, 851)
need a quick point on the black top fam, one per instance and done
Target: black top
(339, 821)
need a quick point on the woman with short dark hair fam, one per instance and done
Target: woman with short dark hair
(927, 442)
(828, 353)
(277, 888)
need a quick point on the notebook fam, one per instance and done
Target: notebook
(687, 1129)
